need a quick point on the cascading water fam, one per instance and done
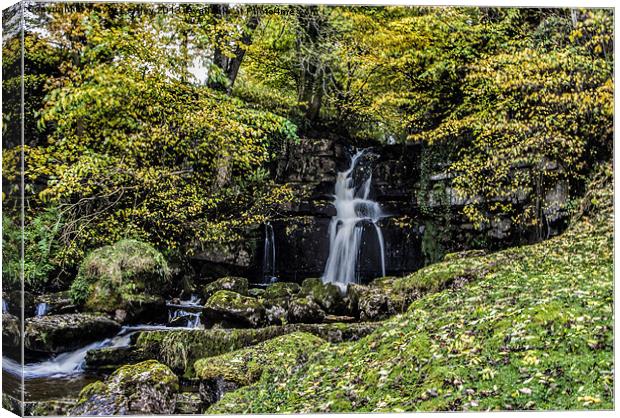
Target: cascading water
(42, 309)
(353, 209)
(185, 313)
(72, 362)
(269, 255)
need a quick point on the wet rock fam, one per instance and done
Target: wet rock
(189, 403)
(304, 310)
(127, 280)
(144, 388)
(234, 284)
(56, 303)
(109, 359)
(11, 333)
(281, 290)
(59, 333)
(230, 308)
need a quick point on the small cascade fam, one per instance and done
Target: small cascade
(5, 306)
(185, 313)
(42, 309)
(72, 362)
(354, 209)
(269, 255)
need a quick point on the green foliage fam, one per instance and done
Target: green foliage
(41, 246)
(135, 151)
(532, 330)
(114, 275)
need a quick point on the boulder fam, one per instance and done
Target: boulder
(304, 310)
(326, 295)
(189, 403)
(108, 359)
(127, 280)
(234, 284)
(379, 300)
(228, 308)
(256, 292)
(281, 290)
(276, 310)
(59, 333)
(145, 388)
(56, 303)
(11, 333)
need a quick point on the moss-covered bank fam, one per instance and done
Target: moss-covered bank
(525, 328)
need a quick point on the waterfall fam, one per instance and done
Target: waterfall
(5, 306)
(42, 309)
(269, 255)
(353, 209)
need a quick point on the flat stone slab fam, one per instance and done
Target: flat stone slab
(59, 333)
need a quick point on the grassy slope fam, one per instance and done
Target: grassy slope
(532, 330)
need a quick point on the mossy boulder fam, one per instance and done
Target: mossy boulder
(256, 292)
(304, 310)
(59, 333)
(380, 299)
(126, 279)
(276, 310)
(228, 308)
(244, 367)
(234, 284)
(326, 295)
(148, 387)
(281, 290)
(179, 349)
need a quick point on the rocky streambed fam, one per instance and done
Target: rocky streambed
(86, 362)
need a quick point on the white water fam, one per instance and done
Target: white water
(189, 308)
(42, 309)
(353, 208)
(71, 363)
(269, 255)
(5, 306)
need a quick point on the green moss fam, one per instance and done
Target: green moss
(234, 284)
(115, 275)
(532, 328)
(244, 367)
(179, 349)
(281, 290)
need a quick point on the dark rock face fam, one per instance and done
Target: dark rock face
(11, 333)
(59, 333)
(144, 388)
(413, 187)
(228, 308)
